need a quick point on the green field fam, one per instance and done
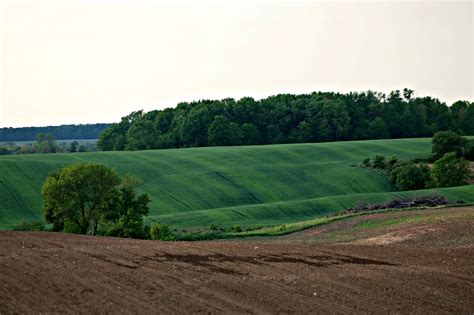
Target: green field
(247, 186)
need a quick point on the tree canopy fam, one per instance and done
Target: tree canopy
(288, 118)
(83, 197)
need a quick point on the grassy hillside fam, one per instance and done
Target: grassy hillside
(226, 185)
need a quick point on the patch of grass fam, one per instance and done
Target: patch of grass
(303, 225)
(381, 223)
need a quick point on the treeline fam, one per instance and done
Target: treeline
(45, 143)
(287, 118)
(63, 132)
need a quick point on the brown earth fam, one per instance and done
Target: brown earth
(406, 261)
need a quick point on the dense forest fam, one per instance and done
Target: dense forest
(287, 118)
(63, 132)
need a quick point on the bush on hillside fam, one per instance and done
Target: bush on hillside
(447, 141)
(366, 163)
(450, 171)
(379, 162)
(410, 176)
(391, 163)
(161, 232)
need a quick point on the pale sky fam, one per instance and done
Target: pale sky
(75, 61)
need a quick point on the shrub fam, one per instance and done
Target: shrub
(391, 163)
(410, 176)
(447, 141)
(161, 232)
(366, 163)
(450, 171)
(238, 229)
(379, 162)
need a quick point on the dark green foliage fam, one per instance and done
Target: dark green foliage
(468, 150)
(447, 141)
(379, 162)
(250, 134)
(63, 132)
(124, 216)
(91, 198)
(115, 137)
(224, 132)
(73, 147)
(391, 163)
(287, 118)
(5, 151)
(30, 226)
(450, 171)
(378, 129)
(78, 195)
(366, 162)
(161, 232)
(410, 176)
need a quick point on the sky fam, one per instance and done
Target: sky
(87, 61)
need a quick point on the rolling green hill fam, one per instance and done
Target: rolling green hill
(250, 185)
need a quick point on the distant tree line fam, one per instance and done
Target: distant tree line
(63, 132)
(45, 143)
(287, 118)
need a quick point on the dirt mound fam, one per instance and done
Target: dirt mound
(63, 273)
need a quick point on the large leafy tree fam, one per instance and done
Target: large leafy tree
(142, 134)
(81, 196)
(114, 138)
(195, 126)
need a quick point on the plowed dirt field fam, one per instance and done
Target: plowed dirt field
(407, 261)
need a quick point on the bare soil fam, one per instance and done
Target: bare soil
(427, 265)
